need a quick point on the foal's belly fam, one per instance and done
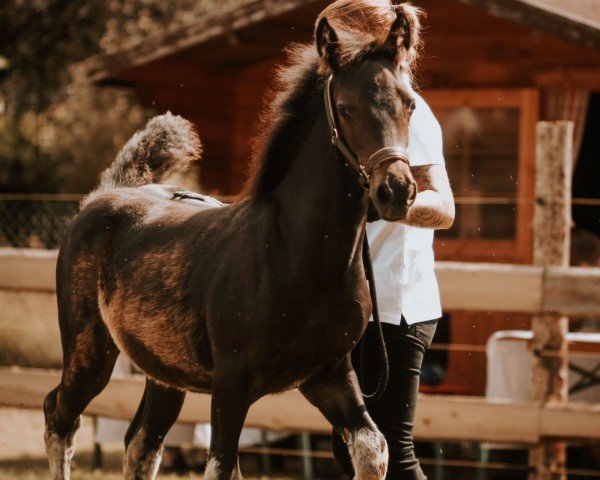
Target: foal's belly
(160, 341)
(291, 356)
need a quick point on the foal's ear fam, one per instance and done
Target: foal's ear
(404, 37)
(327, 43)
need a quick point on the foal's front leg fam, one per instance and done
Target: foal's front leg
(336, 393)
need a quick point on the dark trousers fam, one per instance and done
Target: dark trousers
(394, 412)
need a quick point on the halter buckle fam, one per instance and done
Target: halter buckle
(334, 136)
(363, 173)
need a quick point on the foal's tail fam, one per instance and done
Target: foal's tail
(166, 143)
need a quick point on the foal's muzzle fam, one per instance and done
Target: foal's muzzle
(392, 187)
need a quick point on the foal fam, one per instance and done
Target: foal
(249, 299)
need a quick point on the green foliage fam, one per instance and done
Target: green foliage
(65, 148)
(132, 20)
(56, 136)
(23, 167)
(39, 39)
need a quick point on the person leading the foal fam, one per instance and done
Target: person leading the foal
(409, 303)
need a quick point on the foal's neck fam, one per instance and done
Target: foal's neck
(322, 203)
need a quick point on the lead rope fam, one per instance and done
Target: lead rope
(384, 367)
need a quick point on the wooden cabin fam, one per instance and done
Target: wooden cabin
(490, 70)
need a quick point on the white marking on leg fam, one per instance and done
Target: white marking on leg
(140, 462)
(213, 469)
(59, 451)
(369, 453)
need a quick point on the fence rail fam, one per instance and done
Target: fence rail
(438, 417)
(485, 287)
(35, 223)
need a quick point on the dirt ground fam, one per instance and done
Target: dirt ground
(37, 469)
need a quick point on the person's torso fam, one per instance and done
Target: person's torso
(403, 264)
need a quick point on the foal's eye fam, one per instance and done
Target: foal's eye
(343, 111)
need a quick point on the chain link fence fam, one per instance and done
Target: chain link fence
(31, 220)
(35, 221)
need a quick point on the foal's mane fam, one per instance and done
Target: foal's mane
(290, 109)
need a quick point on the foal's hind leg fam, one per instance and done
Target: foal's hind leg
(158, 410)
(230, 403)
(89, 358)
(336, 393)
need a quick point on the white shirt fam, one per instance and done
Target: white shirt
(403, 255)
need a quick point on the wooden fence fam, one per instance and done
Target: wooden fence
(464, 286)
(438, 417)
(487, 287)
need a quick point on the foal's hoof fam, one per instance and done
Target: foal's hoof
(369, 453)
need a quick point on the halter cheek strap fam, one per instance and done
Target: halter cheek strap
(380, 156)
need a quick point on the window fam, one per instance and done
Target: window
(489, 140)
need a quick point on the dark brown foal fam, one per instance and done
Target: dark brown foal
(248, 299)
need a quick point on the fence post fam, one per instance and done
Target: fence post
(551, 245)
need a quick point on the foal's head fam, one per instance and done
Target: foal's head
(370, 95)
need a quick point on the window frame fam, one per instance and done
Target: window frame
(527, 101)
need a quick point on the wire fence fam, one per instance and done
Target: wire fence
(440, 462)
(35, 223)
(41, 220)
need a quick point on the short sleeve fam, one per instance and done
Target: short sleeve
(425, 143)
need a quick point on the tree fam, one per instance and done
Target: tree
(57, 136)
(39, 39)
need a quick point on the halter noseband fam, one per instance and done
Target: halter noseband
(380, 156)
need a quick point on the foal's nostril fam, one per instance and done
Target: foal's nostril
(384, 194)
(412, 194)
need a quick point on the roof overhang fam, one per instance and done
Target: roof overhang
(550, 16)
(222, 40)
(239, 37)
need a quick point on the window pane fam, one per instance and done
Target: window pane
(481, 146)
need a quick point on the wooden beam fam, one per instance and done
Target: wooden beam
(108, 66)
(535, 14)
(438, 417)
(568, 291)
(519, 288)
(571, 78)
(28, 269)
(477, 286)
(551, 246)
(469, 73)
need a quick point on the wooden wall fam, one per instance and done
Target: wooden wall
(464, 48)
(224, 105)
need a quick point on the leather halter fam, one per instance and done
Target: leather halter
(380, 156)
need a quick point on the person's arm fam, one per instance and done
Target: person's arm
(434, 205)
